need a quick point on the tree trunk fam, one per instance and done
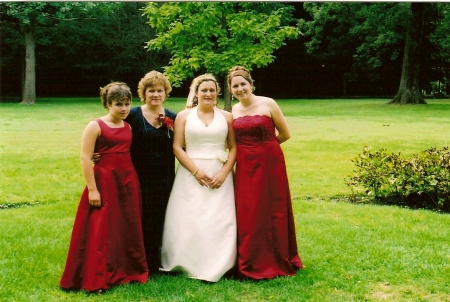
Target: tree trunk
(226, 95)
(344, 86)
(409, 90)
(447, 84)
(29, 87)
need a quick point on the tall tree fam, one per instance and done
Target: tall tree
(355, 40)
(409, 90)
(377, 58)
(116, 46)
(31, 16)
(440, 39)
(330, 39)
(214, 36)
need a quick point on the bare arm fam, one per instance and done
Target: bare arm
(88, 139)
(183, 158)
(220, 177)
(280, 121)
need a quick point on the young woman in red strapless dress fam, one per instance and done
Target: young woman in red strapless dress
(107, 246)
(267, 245)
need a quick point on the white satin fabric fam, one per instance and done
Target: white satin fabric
(199, 235)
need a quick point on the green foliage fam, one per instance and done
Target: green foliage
(355, 37)
(32, 14)
(214, 36)
(366, 39)
(440, 36)
(383, 29)
(440, 41)
(113, 34)
(421, 181)
(115, 37)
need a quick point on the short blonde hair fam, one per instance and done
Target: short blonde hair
(153, 78)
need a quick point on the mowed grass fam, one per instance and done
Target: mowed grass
(351, 252)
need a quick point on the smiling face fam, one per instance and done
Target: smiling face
(155, 95)
(241, 88)
(207, 93)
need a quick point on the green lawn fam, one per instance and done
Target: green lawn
(351, 252)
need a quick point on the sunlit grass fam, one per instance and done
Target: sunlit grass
(351, 252)
(327, 134)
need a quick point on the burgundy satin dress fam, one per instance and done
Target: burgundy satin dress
(267, 245)
(107, 246)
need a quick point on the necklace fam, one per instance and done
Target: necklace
(253, 100)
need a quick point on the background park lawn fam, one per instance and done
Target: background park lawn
(351, 252)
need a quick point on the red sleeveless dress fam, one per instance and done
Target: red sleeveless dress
(267, 245)
(107, 246)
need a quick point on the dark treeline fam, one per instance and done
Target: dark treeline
(77, 55)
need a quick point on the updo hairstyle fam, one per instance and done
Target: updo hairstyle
(196, 83)
(239, 71)
(115, 91)
(153, 78)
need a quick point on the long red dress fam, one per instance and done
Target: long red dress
(107, 246)
(267, 245)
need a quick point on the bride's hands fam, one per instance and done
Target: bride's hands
(218, 179)
(202, 178)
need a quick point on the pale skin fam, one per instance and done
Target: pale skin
(207, 95)
(250, 104)
(118, 111)
(153, 104)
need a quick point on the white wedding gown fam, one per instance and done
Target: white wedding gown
(199, 236)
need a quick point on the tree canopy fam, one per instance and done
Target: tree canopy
(30, 16)
(78, 46)
(215, 36)
(369, 40)
(355, 39)
(347, 48)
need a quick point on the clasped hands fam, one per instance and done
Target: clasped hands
(211, 182)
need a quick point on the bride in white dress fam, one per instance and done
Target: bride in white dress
(199, 236)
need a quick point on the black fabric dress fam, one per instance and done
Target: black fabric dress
(154, 161)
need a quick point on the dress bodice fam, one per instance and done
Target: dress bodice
(151, 146)
(151, 151)
(251, 129)
(113, 140)
(205, 141)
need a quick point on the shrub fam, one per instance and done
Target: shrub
(422, 181)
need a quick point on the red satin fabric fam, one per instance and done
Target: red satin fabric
(267, 245)
(107, 246)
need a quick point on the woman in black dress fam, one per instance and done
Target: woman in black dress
(153, 158)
